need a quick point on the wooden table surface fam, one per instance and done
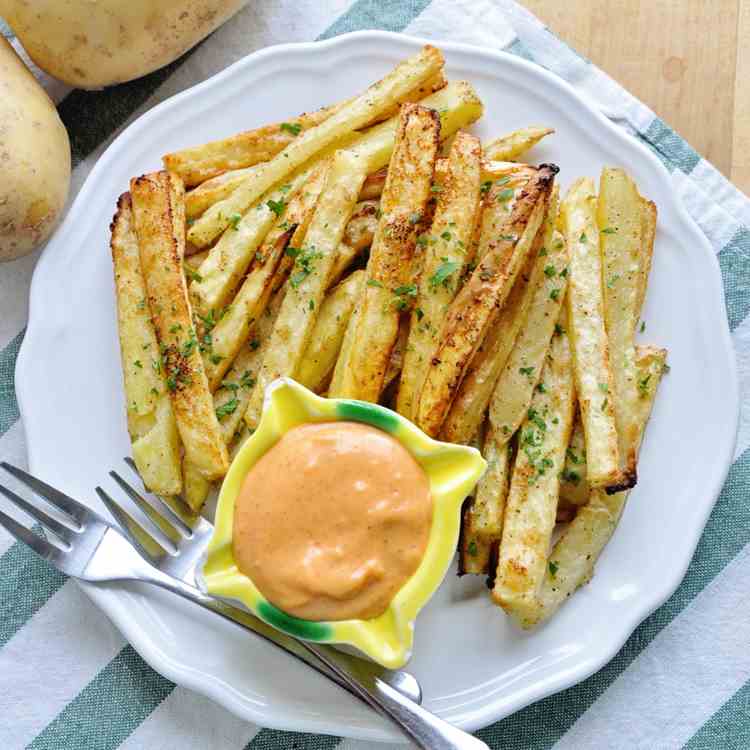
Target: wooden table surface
(689, 60)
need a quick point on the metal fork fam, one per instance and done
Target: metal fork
(91, 549)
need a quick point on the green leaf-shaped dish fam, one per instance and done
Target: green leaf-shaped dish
(453, 470)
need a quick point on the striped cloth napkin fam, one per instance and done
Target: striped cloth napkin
(68, 681)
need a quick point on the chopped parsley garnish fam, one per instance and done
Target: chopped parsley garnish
(665, 368)
(154, 392)
(529, 371)
(254, 344)
(443, 273)
(216, 358)
(374, 282)
(436, 188)
(175, 328)
(549, 271)
(234, 220)
(276, 206)
(612, 280)
(603, 387)
(643, 385)
(541, 388)
(403, 294)
(189, 345)
(472, 548)
(583, 237)
(192, 274)
(643, 326)
(534, 417)
(138, 364)
(505, 195)
(230, 386)
(311, 304)
(508, 237)
(485, 188)
(608, 230)
(247, 380)
(304, 260)
(604, 404)
(209, 321)
(419, 312)
(553, 568)
(415, 218)
(554, 294)
(172, 383)
(569, 475)
(574, 458)
(421, 240)
(559, 330)
(226, 409)
(446, 235)
(291, 127)
(543, 252)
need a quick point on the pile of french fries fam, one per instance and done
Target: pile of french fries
(376, 250)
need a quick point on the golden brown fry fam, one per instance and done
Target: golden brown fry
(151, 423)
(388, 289)
(214, 190)
(574, 487)
(376, 100)
(444, 257)
(572, 560)
(522, 375)
(482, 522)
(501, 256)
(468, 408)
(232, 330)
(373, 187)
(648, 235)
(320, 357)
(246, 149)
(510, 147)
(309, 278)
(161, 252)
(532, 500)
(229, 259)
(593, 373)
(619, 216)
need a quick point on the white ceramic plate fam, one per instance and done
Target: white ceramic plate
(474, 666)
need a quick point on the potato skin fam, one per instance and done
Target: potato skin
(34, 159)
(91, 45)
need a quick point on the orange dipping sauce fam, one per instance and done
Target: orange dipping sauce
(332, 521)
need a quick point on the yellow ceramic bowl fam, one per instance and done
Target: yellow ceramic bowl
(453, 470)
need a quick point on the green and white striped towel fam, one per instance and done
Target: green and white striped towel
(682, 679)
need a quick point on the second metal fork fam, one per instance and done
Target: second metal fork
(93, 550)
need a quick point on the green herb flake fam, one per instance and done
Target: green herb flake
(216, 358)
(549, 271)
(254, 344)
(543, 252)
(528, 371)
(472, 548)
(583, 237)
(138, 364)
(603, 387)
(485, 188)
(643, 326)
(234, 220)
(276, 206)
(613, 280)
(559, 330)
(446, 235)
(291, 127)
(553, 568)
(436, 188)
(443, 273)
(226, 409)
(505, 194)
(554, 295)
(608, 230)
(192, 274)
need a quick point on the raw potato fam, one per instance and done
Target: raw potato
(35, 158)
(94, 44)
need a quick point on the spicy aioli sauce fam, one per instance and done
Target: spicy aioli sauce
(332, 521)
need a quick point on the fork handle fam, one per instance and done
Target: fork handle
(349, 669)
(424, 728)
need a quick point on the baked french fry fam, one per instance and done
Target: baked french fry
(229, 259)
(388, 290)
(522, 375)
(231, 399)
(648, 235)
(470, 404)
(357, 237)
(347, 344)
(574, 556)
(201, 163)
(444, 260)
(574, 487)
(161, 247)
(361, 110)
(309, 277)
(586, 325)
(482, 520)
(373, 186)
(151, 423)
(214, 190)
(328, 334)
(531, 509)
(501, 256)
(232, 330)
(509, 147)
(619, 216)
